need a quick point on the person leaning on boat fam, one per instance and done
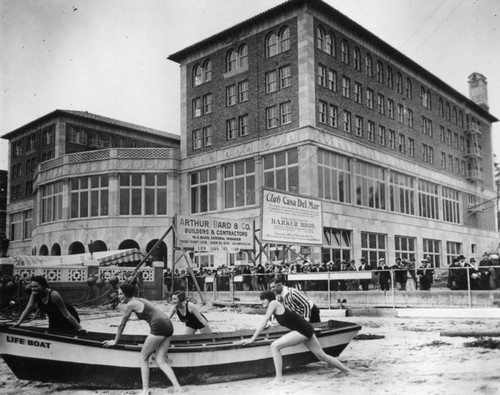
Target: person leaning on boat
(189, 314)
(62, 316)
(301, 332)
(294, 300)
(158, 339)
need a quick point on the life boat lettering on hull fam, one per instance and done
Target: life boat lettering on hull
(27, 342)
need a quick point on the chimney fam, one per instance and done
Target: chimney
(478, 90)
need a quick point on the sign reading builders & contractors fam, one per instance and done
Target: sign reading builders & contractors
(291, 219)
(215, 234)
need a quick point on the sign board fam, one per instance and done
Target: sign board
(291, 219)
(215, 233)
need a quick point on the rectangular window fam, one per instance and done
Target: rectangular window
(432, 251)
(346, 87)
(333, 115)
(402, 193)
(207, 136)
(28, 224)
(323, 111)
(337, 245)
(243, 91)
(451, 205)
(370, 185)
(281, 170)
(207, 103)
(89, 196)
(448, 137)
(450, 163)
(381, 104)
(373, 247)
(453, 251)
(381, 135)
(428, 200)
(286, 113)
(405, 247)
(155, 194)
(443, 160)
(16, 226)
(271, 81)
(358, 92)
(197, 142)
(359, 126)
(332, 80)
(401, 114)
(390, 108)
(371, 131)
(285, 77)
(347, 122)
(243, 125)
(322, 75)
(369, 98)
(272, 117)
(334, 177)
(402, 143)
(197, 107)
(51, 206)
(442, 134)
(392, 139)
(203, 185)
(409, 118)
(239, 184)
(411, 147)
(231, 129)
(231, 95)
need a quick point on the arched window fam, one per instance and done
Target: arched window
(76, 248)
(357, 59)
(129, 243)
(399, 83)
(380, 72)
(230, 60)
(428, 101)
(207, 70)
(461, 118)
(369, 65)
(243, 56)
(271, 45)
(43, 251)
(344, 49)
(330, 44)
(55, 250)
(440, 107)
(454, 115)
(98, 246)
(197, 75)
(447, 111)
(390, 77)
(320, 38)
(284, 39)
(409, 89)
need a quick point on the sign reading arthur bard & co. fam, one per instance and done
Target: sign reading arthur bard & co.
(291, 219)
(215, 234)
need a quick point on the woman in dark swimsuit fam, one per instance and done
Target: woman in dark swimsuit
(62, 316)
(301, 332)
(157, 341)
(189, 314)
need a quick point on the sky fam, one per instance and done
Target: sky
(109, 57)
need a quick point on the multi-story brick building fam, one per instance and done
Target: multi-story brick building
(302, 99)
(78, 178)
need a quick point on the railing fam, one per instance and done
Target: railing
(399, 287)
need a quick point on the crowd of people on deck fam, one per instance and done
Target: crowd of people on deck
(406, 275)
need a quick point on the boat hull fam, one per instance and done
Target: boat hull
(32, 354)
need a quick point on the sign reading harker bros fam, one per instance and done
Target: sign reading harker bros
(291, 219)
(215, 234)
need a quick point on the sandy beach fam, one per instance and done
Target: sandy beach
(389, 356)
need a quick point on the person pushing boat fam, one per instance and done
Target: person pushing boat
(62, 316)
(301, 332)
(158, 339)
(189, 314)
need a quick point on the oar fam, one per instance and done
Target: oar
(480, 333)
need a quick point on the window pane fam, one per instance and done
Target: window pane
(136, 201)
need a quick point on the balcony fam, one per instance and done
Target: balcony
(472, 128)
(474, 175)
(473, 152)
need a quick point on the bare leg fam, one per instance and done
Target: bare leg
(290, 339)
(150, 345)
(161, 360)
(313, 345)
(189, 331)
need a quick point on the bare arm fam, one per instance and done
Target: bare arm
(196, 312)
(126, 315)
(270, 311)
(27, 310)
(58, 301)
(171, 312)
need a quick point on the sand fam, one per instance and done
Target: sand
(390, 356)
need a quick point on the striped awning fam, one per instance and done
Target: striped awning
(105, 258)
